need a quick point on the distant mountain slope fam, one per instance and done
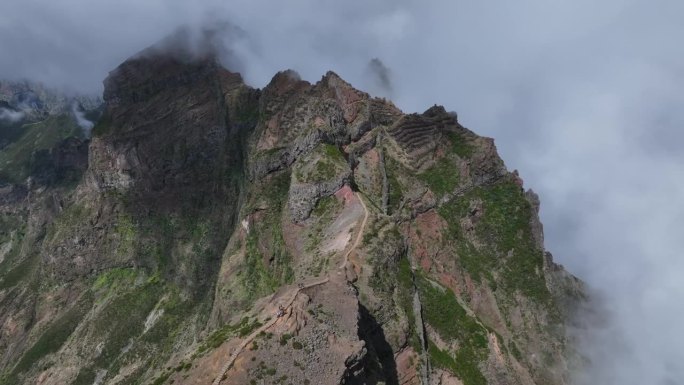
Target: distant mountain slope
(34, 124)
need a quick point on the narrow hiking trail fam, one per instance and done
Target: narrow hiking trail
(296, 291)
(263, 328)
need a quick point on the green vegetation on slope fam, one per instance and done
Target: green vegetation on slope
(139, 314)
(442, 177)
(126, 234)
(460, 145)
(15, 266)
(443, 312)
(507, 223)
(262, 274)
(243, 328)
(53, 337)
(406, 290)
(504, 230)
(72, 218)
(256, 276)
(395, 171)
(441, 359)
(18, 160)
(123, 319)
(328, 163)
(114, 279)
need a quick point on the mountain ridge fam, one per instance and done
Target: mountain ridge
(205, 202)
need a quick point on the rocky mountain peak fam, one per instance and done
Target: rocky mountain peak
(229, 235)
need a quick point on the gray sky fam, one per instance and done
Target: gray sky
(583, 97)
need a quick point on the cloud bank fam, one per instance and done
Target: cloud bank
(583, 97)
(11, 115)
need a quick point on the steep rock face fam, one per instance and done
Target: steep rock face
(303, 233)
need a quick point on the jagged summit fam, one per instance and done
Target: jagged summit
(301, 233)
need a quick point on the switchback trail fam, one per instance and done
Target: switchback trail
(296, 291)
(263, 328)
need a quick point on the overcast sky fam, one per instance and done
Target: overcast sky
(583, 97)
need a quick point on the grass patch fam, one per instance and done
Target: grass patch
(86, 376)
(467, 368)
(396, 173)
(256, 276)
(326, 207)
(333, 153)
(505, 231)
(122, 321)
(443, 312)
(176, 310)
(442, 177)
(506, 224)
(125, 230)
(55, 335)
(406, 292)
(285, 338)
(395, 193)
(161, 380)
(114, 278)
(324, 170)
(460, 145)
(218, 337)
(247, 113)
(441, 359)
(261, 275)
(447, 316)
(513, 347)
(329, 162)
(16, 275)
(73, 217)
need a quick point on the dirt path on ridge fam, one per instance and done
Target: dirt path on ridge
(296, 291)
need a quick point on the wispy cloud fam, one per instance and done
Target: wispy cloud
(11, 115)
(85, 124)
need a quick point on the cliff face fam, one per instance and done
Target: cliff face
(302, 233)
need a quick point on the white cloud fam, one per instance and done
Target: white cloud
(10, 115)
(85, 124)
